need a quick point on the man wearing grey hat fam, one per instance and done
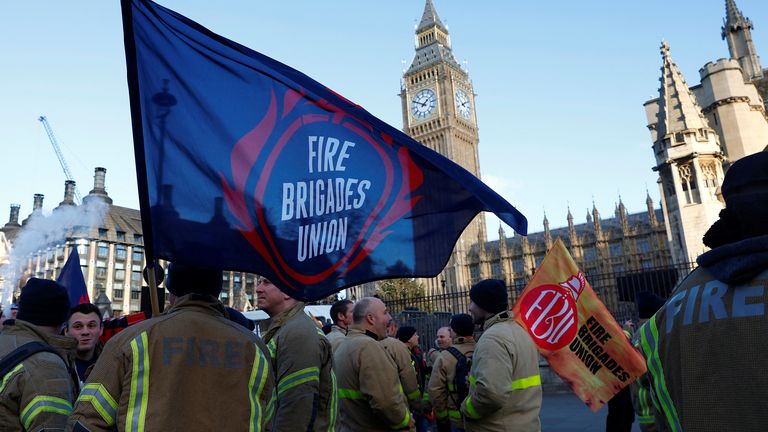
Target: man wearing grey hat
(705, 348)
(504, 381)
(38, 385)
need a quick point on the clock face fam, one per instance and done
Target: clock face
(462, 104)
(423, 103)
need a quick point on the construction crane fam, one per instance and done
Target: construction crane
(59, 154)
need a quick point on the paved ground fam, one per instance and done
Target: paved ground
(564, 412)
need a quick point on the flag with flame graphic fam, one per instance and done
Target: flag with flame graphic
(575, 332)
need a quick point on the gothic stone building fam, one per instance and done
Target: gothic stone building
(698, 131)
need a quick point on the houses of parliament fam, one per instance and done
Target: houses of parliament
(696, 133)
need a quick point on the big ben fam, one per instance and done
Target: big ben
(438, 105)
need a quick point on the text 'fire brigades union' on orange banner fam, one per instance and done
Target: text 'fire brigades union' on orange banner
(575, 332)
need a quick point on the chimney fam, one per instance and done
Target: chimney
(99, 191)
(37, 206)
(37, 209)
(98, 181)
(69, 193)
(14, 219)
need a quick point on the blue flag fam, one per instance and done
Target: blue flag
(71, 278)
(246, 164)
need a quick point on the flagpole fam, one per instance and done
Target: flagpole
(138, 146)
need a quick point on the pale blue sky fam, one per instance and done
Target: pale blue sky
(560, 85)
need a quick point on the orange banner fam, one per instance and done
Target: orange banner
(575, 332)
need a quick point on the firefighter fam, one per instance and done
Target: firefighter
(40, 385)
(705, 348)
(504, 381)
(445, 383)
(303, 364)
(167, 372)
(341, 314)
(369, 389)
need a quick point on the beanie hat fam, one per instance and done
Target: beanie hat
(462, 325)
(404, 333)
(490, 294)
(648, 303)
(184, 279)
(43, 302)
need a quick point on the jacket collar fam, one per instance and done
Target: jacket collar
(65, 344)
(499, 317)
(339, 329)
(278, 320)
(463, 340)
(200, 302)
(360, 331)
(738, 262)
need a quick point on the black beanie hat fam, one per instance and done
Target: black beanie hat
(43, 302)
(183, 279)
(490, 294)
(462, 325)
(746, 174)
(648, 303)
(404, 333)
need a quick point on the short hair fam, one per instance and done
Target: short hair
(85, 309)
(361, 309)
(339, 307)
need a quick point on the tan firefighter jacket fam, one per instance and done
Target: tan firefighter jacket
(39, 392)
(303, 364)
(406, 370)
(369, 387)
(442, 390)
(335, 337)
(188, 369)
(504, 381)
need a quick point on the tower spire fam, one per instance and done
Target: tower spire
(678, 109)
(430, 18)
(737, 31)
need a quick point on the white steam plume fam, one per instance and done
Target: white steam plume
(44, 231)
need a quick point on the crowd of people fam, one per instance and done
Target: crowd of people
(200, 367)
(366, 374)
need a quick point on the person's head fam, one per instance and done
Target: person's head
(409, 336)
(391, 328)
(371, 314)
(462, 325)
(44, 303)
(487, 298)
(270, 299)
(444, 339)
(341, 313)
(185, 279)
(85, 325)
(745, 191)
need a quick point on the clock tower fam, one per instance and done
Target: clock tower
(439, 111)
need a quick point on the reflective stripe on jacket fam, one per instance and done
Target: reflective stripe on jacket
(188, 369)
(303, 364)
(504, 381)
(371, 398)
(442, 391)
(38, 393)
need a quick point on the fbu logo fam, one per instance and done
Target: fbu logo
(549, 311)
